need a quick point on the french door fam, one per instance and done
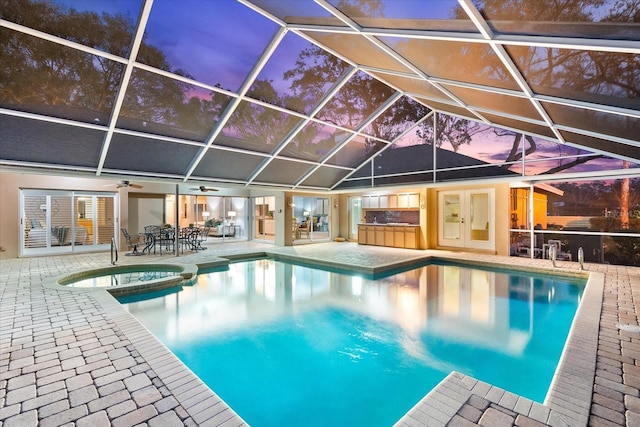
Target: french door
(466, 218)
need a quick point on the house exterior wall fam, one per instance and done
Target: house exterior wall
(428, 213)
(11, 183)
(519, 208)
(540, 209)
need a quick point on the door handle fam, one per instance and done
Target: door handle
(461, 220)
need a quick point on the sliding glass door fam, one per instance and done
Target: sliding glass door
(95, 219)
(65, 221)
(311, 217)
(264, 221)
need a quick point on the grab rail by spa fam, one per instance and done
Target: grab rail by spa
(114, 250)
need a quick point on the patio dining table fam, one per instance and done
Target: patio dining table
(161, 237)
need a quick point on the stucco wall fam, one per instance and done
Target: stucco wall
(11, 183)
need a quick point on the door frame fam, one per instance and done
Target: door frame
(259, 219)
(47, 211)
(465, 220)
(355, 216)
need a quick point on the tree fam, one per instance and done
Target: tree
(609, 77)
(39, 74)
(258, 125)
(624, 200)
(544, 68)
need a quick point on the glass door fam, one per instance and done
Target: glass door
(311, 219)
(264, 221)
(320, 219)
(225, 216)
(95, 220)
(466, 219)
(479, 218)
(355, 216)
(65, 221)
(452, 221)
(47, 218)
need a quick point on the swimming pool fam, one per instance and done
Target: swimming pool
(286, 344)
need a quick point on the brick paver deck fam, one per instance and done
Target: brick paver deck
(79, 358)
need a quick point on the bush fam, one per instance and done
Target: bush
(613, 224)
(621, 250)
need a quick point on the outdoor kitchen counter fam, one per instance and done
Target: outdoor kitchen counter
(394, 234)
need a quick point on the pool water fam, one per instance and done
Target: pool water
(289, 345)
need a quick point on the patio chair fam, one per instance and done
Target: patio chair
(133, 240)
(199, 237)
(188, 237)
(152, 235)
(167, 239)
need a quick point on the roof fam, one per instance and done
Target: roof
(309, 94)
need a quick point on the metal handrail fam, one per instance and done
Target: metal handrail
(581, 257)
(114, 250)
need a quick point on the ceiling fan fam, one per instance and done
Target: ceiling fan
(125, 184)
(204, 189)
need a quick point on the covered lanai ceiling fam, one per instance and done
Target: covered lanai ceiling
(320, 95)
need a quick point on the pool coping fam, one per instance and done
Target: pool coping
(389, 268)
(204, 406)
(568, 401)
(187, 274)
